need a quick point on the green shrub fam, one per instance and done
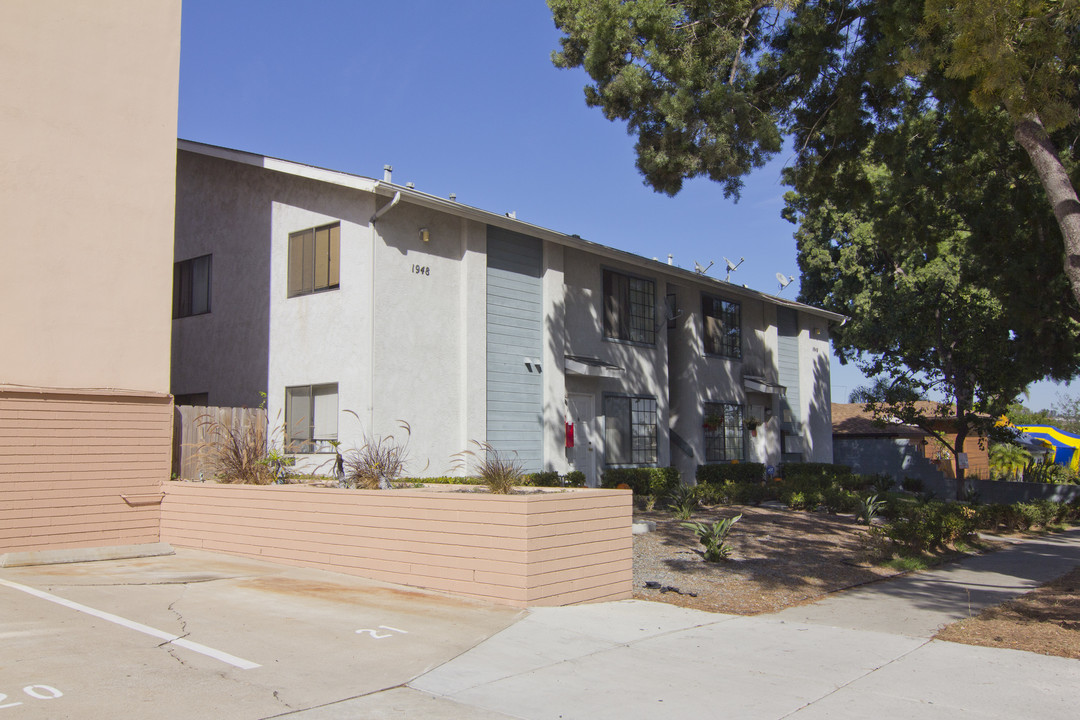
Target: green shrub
(1038, 513)
(717, 473)
(853, 483)
(1050, 473)
(836, 499)
(882, 482)
(544, 478)
(803, 484)
(799, 500)
(813, 469)
(575, 478)
(912, 485)
(643, 481)
(991, 517)
(710, 494)
(444, 480)
(932, 526)
(746, 493)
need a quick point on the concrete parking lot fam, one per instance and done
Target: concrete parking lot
(202, 635)
(199, 634)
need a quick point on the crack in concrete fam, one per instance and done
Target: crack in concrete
(866, 674)
(278, 698)
(171, 649)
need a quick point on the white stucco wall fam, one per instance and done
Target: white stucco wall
(698, 378)
(429, 299)
(556, 456)
(644, 368)
(816, 396)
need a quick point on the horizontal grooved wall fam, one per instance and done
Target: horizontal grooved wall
(67, 462)
(545, 548)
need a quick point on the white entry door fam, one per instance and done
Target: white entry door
(585, 451)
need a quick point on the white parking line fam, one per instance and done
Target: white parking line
(131, 624)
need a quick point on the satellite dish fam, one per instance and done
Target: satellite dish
(784, 280)
(732, 267)
(702, 270)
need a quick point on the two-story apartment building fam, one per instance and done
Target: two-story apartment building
(355, 303)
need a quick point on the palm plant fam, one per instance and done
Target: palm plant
(714, 537)
(1009, 460)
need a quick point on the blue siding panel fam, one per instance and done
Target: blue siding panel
(515, 393)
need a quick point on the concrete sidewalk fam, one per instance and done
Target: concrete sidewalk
(854, 654)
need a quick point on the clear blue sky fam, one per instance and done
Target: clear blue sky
(461, 97)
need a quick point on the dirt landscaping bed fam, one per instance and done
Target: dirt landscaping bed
(780, 558)
(1045, 621)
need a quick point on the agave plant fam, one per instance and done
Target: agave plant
(714, 537)
(683, 502)
(868, 508)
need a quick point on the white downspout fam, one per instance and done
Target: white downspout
(386, 208)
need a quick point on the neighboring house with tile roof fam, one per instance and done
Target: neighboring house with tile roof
(898, 449)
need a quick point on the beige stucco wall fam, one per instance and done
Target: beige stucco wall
(88, 118)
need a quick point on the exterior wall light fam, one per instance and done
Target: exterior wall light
(425, 235)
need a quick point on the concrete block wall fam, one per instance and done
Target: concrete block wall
(546, 548)
(81, 470)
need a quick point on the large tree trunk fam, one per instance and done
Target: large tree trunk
(961, 473)
(1031, 134)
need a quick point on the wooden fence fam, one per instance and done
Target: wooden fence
(194, 425)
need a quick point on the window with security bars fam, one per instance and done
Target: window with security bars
(630, 430)
(314, 260)
(722, 320)
(724, 434)
(629, 308)
(311, 418)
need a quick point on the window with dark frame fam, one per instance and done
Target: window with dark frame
(311, 418)
(191, 287)
(630, 436)
(629, 308)
(722, 320)
(724, 432)
(200, 399)
(314, 260)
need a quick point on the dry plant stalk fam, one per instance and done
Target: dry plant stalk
(499, 472)
(236, 454)
(379, 462)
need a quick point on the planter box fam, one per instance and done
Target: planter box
(545, 548)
